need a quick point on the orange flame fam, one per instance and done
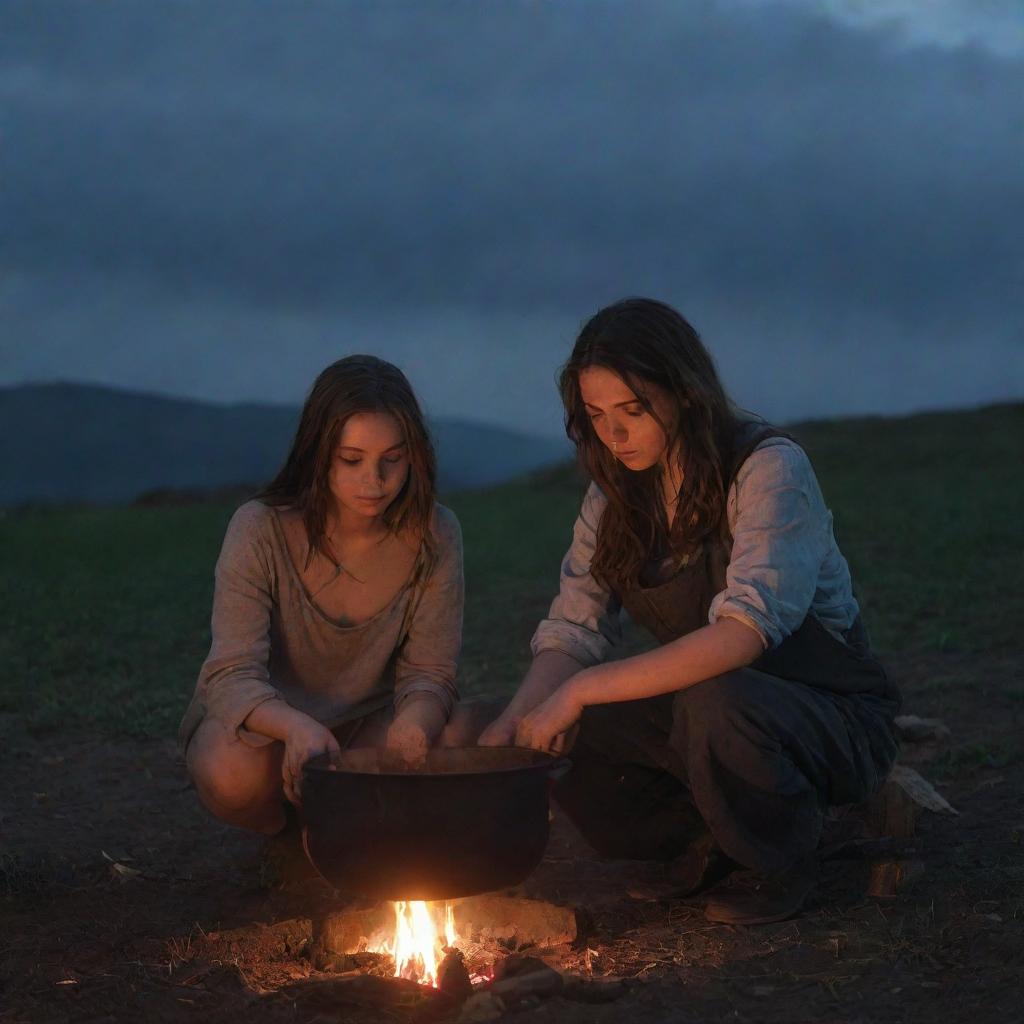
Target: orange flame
(420, 941)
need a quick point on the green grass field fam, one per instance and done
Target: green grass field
(106, 610)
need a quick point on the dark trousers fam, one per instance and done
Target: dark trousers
(751, 757)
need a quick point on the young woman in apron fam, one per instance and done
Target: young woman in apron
(763, 703)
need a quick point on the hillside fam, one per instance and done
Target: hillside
(926, 512)
(63, 443)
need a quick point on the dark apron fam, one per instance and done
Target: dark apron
(755, 755)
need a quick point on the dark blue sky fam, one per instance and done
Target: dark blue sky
(216, 199)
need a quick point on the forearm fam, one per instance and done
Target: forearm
(547, 672)
(274, 718)
(425, 711)
(710, 651)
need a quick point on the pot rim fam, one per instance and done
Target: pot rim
(530, 760)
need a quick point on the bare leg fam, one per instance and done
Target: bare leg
(238, 783)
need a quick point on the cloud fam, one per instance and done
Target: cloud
(189, 186)
(995, 25)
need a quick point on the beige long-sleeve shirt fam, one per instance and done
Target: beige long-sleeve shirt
(270, 640)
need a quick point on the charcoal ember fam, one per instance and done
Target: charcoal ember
(517, 964)
(364, 990)
(452, 976)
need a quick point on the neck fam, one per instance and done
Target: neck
(342, 522)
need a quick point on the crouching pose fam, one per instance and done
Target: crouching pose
(722, 747)
(337, 612)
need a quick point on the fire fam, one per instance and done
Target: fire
(420, 940)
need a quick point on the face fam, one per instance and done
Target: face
(620, 420)
(371, 464)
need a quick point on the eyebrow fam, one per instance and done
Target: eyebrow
(617, 405)
(353, 448)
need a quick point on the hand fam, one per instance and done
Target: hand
(304, 739)
(501, 732)
(544, 728)
(418, 723)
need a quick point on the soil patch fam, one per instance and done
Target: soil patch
(122, 900)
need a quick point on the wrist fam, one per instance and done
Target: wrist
(423, 711)
(584, 687)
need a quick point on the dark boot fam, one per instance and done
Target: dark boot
(752, 898)
(701, 865)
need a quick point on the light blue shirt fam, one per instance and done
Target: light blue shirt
(785, 562)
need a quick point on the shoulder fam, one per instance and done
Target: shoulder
(251, 528)
(249, 539)
(251, 521)
(775, 462)
(445, 527)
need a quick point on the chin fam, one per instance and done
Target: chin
(367, 511)
(637, 464)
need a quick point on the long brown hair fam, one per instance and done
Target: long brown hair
(645, 342)
(352, 385)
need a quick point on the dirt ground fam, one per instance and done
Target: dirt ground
(121, 900)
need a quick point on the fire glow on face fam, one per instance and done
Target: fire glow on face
(420, 940)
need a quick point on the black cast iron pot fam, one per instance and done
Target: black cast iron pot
(469, 821)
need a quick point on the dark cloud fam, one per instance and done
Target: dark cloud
(760, 165)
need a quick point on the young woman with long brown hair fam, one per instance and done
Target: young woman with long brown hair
(722, 747)
(337, 612)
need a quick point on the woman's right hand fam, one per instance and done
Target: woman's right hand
(305, 738)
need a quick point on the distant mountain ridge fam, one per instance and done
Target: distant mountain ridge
(68, 442)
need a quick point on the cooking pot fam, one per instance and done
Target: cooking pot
(468, 821)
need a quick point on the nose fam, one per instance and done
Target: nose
(617, 431)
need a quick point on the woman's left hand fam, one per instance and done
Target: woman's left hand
(547, 722)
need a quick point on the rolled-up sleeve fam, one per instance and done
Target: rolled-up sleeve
(429, 655)
(781, 534)
(234, 678)
(583, 621)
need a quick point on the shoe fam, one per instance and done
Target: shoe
(701, 865)
(283, 863)
(752, 898)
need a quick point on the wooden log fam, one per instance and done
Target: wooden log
(354, 929)
(514, 921)
(893, 813)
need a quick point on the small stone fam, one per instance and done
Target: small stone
(481, 1007)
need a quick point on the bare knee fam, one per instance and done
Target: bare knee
(238, 783)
